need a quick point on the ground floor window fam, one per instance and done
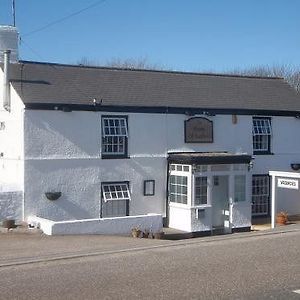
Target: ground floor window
(239, 188)
(260, 195)
(115, 199)
(178, 189)
(200, 190)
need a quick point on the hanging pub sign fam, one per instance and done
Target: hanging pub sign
(198, 130)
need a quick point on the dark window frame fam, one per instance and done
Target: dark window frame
(268, 214)
(262, 152)
(115, 156)
(145, 183)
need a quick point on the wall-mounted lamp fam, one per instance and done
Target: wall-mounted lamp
(234, 119)
(250, 165)
(52, 195)
(295, 166)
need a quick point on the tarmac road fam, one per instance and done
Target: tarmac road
(242, 266)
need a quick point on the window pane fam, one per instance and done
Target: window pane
(260, 194)
(261, 131)
(117, 208)
(115, 192)
(239, 188)
(220, 167)
(113, 145)
(200, 190)
(114, 126)
(178, 189)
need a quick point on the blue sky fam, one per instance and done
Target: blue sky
(187, 35)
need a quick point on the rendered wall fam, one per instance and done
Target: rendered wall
(11, 205)
(11, 156)
(285, 146)
(287, 200)
(63, 153)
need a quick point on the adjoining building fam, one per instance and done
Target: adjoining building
(83, 142)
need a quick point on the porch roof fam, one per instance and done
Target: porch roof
(209, 158)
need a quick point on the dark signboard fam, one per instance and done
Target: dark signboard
(198, 130)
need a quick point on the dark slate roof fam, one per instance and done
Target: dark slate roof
(205, 158)
(47, 83)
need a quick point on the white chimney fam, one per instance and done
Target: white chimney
(8, 54)
(9, 41)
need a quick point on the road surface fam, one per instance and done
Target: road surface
(249, 267)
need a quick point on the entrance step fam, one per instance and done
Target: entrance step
(218, 230)
(175, 234)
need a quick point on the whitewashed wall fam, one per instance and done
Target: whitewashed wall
(288, 200)
(285, 147)
(63, 153)
(11, 156)
(120, 225)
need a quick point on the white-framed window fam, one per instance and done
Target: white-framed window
(239, 188)
(200, 190)
(179, 168)
(178, 189)
(260, 195)
(261, 132)
(114, 136)
(115, 199)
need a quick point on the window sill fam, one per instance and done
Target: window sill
(179, 205)
(187, 206)
(201, 206)
(115, 156)
(262, 153)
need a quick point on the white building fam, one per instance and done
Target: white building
(107, 142)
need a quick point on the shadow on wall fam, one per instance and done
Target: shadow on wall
(72, 133)
(63, 209)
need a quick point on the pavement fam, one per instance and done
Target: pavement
(19, 247)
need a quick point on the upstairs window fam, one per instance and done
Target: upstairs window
(261, 132)
(114, 137)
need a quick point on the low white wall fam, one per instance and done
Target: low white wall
(180, 217)
(186, 219)
(120, 225)
(44, 224)
(203, 221)
(241, 215)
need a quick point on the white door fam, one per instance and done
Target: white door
(241, 205)
(220, 203)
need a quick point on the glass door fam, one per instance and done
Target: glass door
(220, 203)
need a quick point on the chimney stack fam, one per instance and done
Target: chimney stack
(8, 55)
